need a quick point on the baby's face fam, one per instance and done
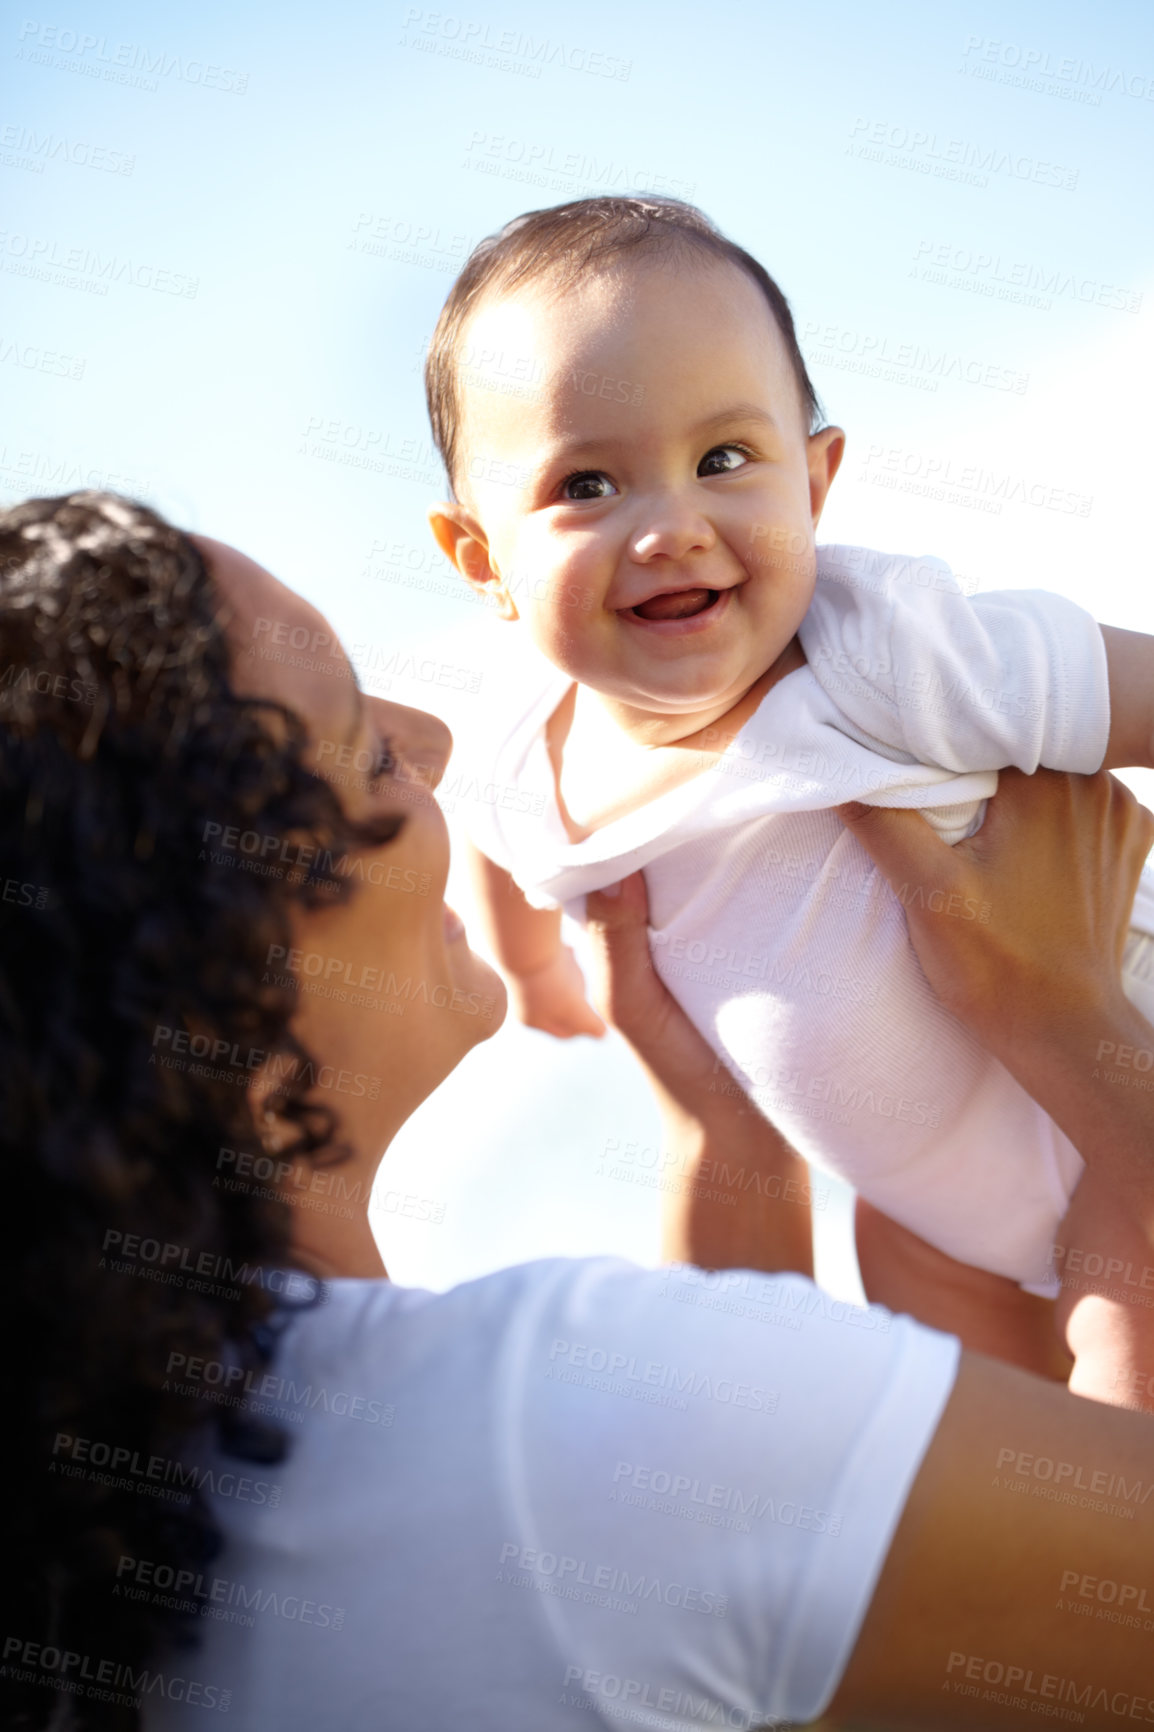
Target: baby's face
(636, 459)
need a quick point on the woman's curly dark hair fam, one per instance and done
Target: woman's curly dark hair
(122, 942)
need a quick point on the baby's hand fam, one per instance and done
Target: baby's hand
(552, 998)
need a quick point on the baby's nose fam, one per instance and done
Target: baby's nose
(670, 529)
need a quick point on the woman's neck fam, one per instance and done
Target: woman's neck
(331, 1236)
(340, 1249)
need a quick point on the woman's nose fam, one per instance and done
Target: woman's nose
(420, 742)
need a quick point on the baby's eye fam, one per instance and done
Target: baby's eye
(720, 461)
(588, 484)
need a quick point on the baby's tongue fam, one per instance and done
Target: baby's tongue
(679, 605)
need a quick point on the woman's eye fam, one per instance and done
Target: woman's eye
(589, 484)
(722, 459)
(384, 761)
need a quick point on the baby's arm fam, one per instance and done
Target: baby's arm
(545, 984)
(1130, 661)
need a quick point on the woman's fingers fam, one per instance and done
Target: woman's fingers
(1040, 896)
(628, 991)
(626, 988)
(900, 843)
(1134, 838)
(930, 879)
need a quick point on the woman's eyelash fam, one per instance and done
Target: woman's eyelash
(385, 762)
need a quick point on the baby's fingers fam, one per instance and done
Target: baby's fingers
(567, 1026)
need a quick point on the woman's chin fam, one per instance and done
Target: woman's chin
(480, 992)
(497, 997)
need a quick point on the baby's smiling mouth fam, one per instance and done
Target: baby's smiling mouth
(676, 604)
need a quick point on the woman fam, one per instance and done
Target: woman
(564, 1495)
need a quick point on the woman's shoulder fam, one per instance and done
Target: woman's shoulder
(543, 1350)
(610, 1315)
(352, 1317)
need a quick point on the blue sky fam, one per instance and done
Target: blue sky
(226, 234)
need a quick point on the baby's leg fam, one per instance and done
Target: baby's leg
(990, 1313)
(1105, 1313)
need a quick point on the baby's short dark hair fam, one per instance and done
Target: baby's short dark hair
(560, 245)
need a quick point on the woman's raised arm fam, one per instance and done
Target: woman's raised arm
(1057, 862)
(1020, 1581)
(736, 1194)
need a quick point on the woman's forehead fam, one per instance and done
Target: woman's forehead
(283, 647)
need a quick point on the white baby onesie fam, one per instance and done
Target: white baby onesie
(774, 930)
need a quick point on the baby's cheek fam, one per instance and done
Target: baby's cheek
(784, 547)
(566, 627)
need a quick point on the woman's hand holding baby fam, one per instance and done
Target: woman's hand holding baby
(1057, 862)
(1053, 871)
(735, 1194)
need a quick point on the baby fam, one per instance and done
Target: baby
(639, 463)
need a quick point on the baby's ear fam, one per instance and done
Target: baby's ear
(462, 540)
(825, 450)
